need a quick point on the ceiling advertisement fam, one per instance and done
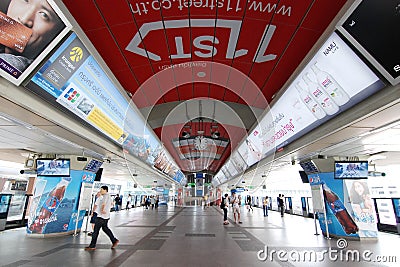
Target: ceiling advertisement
(334, 80)
(74, 79)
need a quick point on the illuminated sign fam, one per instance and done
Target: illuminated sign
(367, 25)
(334, 80)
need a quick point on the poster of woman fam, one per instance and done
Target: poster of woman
(362, 207)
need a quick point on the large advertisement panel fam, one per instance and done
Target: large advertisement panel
(73, 78)
(338, 218)
(333, 81)
(361, 207)
(29, 30)
(367, 25)
(55, 204)
(77, 82)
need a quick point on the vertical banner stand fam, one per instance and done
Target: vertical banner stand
(77, 213)
(85, 198)
(319, 206)
(90, 211)
(315, 223)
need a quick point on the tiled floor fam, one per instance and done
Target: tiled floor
(193, 236)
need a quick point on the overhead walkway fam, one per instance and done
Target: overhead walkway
(194, 236)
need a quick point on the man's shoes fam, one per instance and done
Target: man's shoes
(115, 244)
(89, 234)
(90, 248)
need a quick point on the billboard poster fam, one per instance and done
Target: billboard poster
(338, 218)
(364, 27)
(77, 82)
(361, 207)
(25, 38)
(74, 79)
(334, 80)
(55, 203)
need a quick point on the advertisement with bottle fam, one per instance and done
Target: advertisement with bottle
(55, 203)
(338, 218)
(361, 207)
(334, 80)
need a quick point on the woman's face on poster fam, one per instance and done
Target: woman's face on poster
(359, 188)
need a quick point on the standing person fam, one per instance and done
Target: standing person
(39, 22)
(236, 207)
(128, 201)
(152, 201)
(103, 206)
(265, 206)
(281, 204)
(224, 205)
(94, 213)
(157, 201)
(248, 203)
(116, 202)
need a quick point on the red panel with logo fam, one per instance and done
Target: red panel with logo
(265, 40)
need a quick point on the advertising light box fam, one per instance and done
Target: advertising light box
(23, 48)
(372, 27)
(333, 81)
(72, 78)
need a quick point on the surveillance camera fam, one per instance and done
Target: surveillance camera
(22, 171)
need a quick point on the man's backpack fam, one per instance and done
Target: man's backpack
(222, 205)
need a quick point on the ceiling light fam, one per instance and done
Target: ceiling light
(185, 134)
(215, 135)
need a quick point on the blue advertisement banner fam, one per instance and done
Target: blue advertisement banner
(339, 221)
(76, 81)
(55, 204)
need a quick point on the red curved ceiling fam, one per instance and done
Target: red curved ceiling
(260, 40)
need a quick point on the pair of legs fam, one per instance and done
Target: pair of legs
(282, 208)
(249, 206)
(101, 223)
(226, 216)
(236, 213)
(265, 208)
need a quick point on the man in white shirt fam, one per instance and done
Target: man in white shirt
(102, 208)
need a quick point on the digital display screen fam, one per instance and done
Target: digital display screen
(367, 25)
(351, 169)
(93, 165)
(53, 167)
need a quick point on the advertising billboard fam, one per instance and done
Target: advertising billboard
(73, 78)
(29, 30)
(367, 25)
(334, 80)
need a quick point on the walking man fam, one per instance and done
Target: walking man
(102, 206)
